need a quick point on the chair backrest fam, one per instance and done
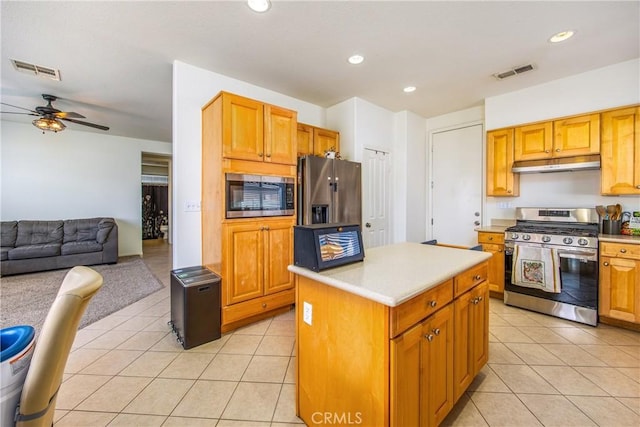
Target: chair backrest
(38, 399)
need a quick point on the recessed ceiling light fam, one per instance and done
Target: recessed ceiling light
(409, 89)
(561, 36)
(356, 59)
(259, 5)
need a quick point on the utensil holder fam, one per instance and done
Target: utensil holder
(611, 226)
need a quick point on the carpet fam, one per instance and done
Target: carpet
(26, 298)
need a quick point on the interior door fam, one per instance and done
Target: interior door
(456, 195)
(375, 198)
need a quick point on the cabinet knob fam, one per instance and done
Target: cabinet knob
(546, 151)
(479, 299)
(268, 155)
(266, 228)
(557, 150)
(623, 251)
(606, 264)
(429, 337)
(477, 277)
(436, 331)
(638, 187)
(499, 250)
(433, 303)
(474, 301)
(509, 191)
(260, 154)
(490, 237)
(264, 305)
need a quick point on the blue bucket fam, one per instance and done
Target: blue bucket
(17, 344)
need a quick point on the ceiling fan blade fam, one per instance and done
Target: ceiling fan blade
(16, 112)
(69, 114)
(15, 106)
(93, 125)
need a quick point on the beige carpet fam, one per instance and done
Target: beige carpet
(25, 299)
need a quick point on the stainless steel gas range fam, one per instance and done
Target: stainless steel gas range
(551, 262)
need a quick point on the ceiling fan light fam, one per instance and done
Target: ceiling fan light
(48, 124)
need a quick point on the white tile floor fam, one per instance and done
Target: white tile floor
(127, 369)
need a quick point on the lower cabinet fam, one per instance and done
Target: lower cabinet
(620, 282)
(494, 244)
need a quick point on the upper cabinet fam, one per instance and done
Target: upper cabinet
(256, 131)
(316, 141)
(573, 136)
(620, 152)
(500, 180)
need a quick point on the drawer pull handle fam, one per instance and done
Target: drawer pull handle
(264, 305)
(433, 303)
(477, 277)
(623, 251)
(436, 331)
(429, 337)
(606, 264)
(491, 238)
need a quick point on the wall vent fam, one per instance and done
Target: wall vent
(514, 71)
(36, 70)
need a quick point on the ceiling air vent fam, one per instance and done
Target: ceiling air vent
(514, 71)
(36, 70)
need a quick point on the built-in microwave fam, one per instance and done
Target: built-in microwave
(259, 195)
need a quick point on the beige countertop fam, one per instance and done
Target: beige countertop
(396, 273)
(493, 228)
(619, 238)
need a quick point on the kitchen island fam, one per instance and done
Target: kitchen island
(394, 340)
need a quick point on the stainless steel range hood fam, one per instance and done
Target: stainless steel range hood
(562, 164)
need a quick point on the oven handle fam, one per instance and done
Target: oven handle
(581, 256)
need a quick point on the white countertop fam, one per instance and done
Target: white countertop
(396, 273)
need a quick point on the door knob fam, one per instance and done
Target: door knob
(476, 222)
(477, 213)
(368, 225)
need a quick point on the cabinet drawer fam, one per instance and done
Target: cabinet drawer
(620, 250)
(470, 278)
(256, 306)
(488, 237)
(417, 308)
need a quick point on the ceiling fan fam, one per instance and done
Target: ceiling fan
(50, 117)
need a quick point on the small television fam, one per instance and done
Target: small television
(322, 246)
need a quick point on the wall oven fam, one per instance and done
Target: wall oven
(259, 195)
(564, 241)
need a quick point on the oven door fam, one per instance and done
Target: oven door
(578, 276)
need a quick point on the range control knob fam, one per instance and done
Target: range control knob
(546, 239)
(567, 240)
(583, 242)
(514, 236)
(526, 237)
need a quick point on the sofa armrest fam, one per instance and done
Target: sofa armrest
(110, 245)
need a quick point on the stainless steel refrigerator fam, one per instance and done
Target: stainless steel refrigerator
(329, 191)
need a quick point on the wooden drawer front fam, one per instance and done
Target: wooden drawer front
(417, 308)
(242, 310)
(620, 250)
(487, 237)
(470, 278)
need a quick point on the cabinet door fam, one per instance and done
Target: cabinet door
(500, 180)
(405, 378)
(496, 266)
(534, 141)
(576, 136)
(305, 139)
(280, 135)
(325, 140)
(243, 249)
(437, 367)
(242, 128)
(620, 152)
(480, 333)
(278, 255)
(620, 288)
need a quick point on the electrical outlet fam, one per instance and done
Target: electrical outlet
(307, 313)
(192, 206)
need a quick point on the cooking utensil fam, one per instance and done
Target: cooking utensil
(611, 211)
(618, 211)
(602, 212)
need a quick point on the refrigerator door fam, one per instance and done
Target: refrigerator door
(317, 190)
(347, 195)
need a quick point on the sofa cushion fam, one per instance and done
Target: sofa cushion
(104, 228)
(4, 254)
(9, 231)
(39, 232)
(81, 230)
(72, 248)
(35, 251)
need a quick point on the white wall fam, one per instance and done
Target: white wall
(612, 86)
(74, 174)
(192, 88)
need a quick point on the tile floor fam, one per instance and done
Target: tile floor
(128, 370)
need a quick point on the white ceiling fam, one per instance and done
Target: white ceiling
(116, 58)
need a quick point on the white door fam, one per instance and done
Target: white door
(456, 195)
(375, 198)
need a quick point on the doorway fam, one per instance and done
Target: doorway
(156, 215)
(375, 198)
(456, 185)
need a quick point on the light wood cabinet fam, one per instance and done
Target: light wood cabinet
(250, 254)
(400, 360)
(316, 141)
(620, 152)
(500, 180)
(568, 137)
(252, 130)
(620, 282)
(494, 244)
